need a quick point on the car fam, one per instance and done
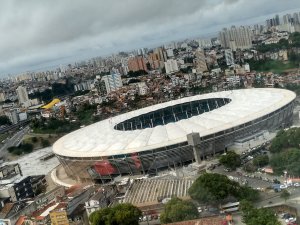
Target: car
(286, 216)
(227, 169)
(296, 184)
(283, 186)
(291, 219)
(199, 209)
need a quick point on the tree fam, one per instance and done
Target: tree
(45, 143)
(285, 195)
(254, 216)
(287, 160)
(4, 120)
(34, 139)
(261, 160)
(215, 188)
(230, 160)
(178, 210)
(121, 214)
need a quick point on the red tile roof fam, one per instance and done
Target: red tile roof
(204, 221)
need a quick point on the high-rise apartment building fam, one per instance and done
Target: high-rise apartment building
(236, 38)
(229, 57)
(112, 82)
(296, 18)
(137, 63)
(200, 61)
(287, 18)
(204, 43)
(22, 95)
(162, 54)
(171, 66)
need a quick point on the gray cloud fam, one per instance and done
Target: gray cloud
(35, 34)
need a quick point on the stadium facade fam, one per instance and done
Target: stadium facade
(151, 139)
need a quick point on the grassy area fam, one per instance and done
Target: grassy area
(40, 140)
(53, 126)
(3, 136)
(274, 66)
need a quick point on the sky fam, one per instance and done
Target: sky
(37, 35)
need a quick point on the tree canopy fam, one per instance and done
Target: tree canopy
(261, 160)
(4, 120)
(288, 160)
(178, 210)
(254, 216)
(212, 187)
(286, 149)
(285, 139)
(121, 214)
(231, 160)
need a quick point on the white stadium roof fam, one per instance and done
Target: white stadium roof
(101, 139)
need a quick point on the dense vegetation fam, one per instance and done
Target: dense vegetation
(285, 139)
(286, 149)
(231, 160)
(270, 65)
(293, 42)
(254, 216)
(293, 87)
(53, 126)
(85, 114)
(215, 188)
(4, 120)
(178, 210)
(57, 89)
(121, 214)
(23, 148)
(136, 73)
(261, 160)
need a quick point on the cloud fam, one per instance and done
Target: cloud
(35, 32)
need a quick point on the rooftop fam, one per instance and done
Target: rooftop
(149, 191)
(103, 139)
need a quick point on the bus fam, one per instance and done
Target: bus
(230, 207)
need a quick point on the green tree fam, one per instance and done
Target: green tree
(4, 120)
(214, 188)
(254, 216)
(288, 160)
(26, 147)
(45, 143)
(121, 214)
(178, 210)
(261, 160)
(285, 195)
(34, 139)
(230, 160)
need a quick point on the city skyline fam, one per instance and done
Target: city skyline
(46, 40)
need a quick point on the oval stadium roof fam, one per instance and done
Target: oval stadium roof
(102, 139)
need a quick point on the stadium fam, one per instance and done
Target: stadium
(154, 138)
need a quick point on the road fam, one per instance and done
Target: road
(13, 141)
(252, 182)
(276, 199)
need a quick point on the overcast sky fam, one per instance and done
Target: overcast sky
(36, 34)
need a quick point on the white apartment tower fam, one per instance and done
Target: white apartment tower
(200, 61)
(22, 95)
(171, 66)
(229, 57)
(236, 38)
(112, 82)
